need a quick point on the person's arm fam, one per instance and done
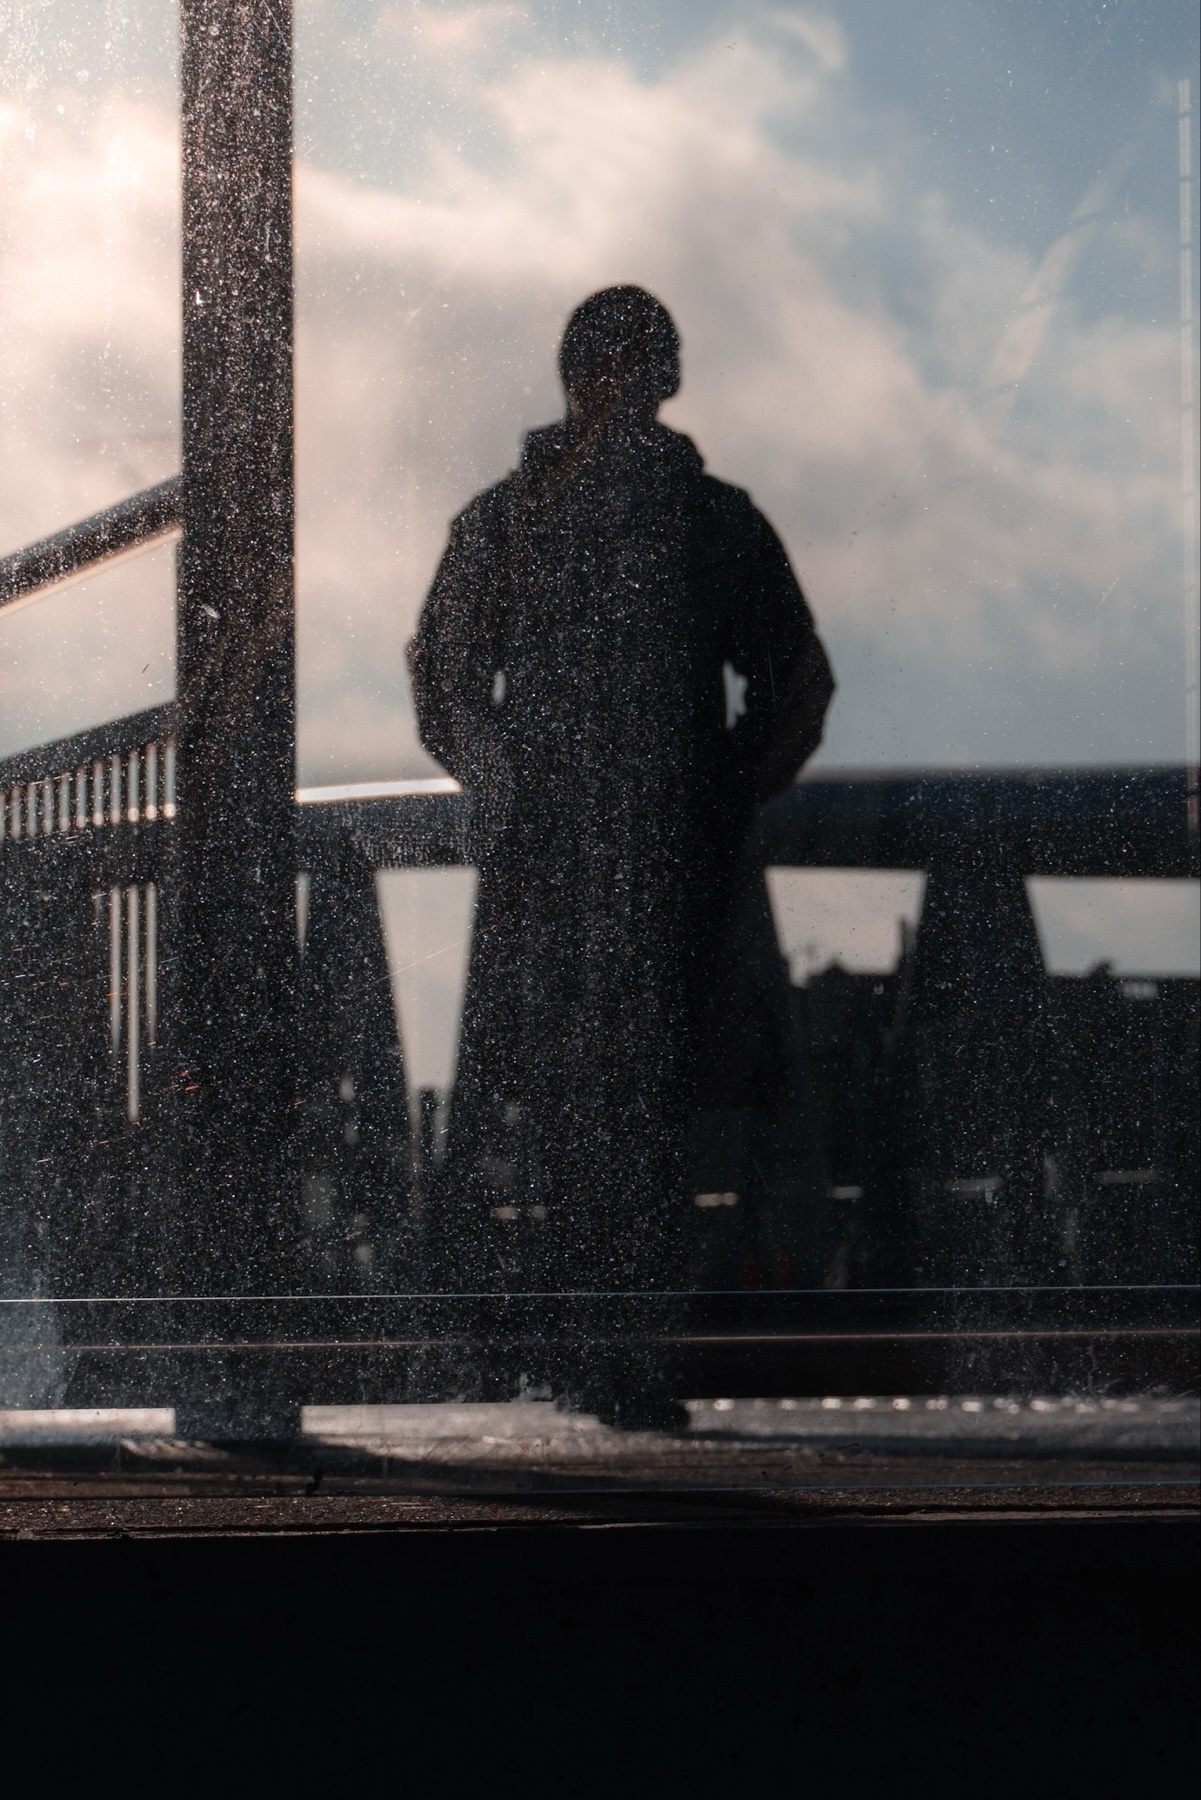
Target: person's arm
(453, 656)
(792, 672)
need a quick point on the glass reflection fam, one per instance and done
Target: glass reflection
(913, 307)
(933, 273)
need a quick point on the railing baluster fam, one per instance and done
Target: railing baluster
(114, 970)
(151, 929)
(133, 788)
(151, 781)
(133, 997)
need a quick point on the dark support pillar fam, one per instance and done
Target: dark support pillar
(233, 949)
(973, 1085)
(354, 1161)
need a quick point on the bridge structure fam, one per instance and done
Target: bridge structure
(206, 1156)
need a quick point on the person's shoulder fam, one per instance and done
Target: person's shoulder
(729, 511)
(735, 513)
(727, 498)
(723, 499)
(484, 512)
(539, 450)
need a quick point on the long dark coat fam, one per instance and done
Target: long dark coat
(616, 660)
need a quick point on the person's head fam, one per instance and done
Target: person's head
(620, 353)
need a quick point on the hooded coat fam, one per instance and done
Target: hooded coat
(615, 659)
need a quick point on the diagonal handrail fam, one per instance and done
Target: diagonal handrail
(146, 515)
(115, 737)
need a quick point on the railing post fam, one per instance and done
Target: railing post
(233, 951)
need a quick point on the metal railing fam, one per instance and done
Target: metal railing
(122, 773)
(89, 832)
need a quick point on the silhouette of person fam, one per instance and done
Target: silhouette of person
(615, 659)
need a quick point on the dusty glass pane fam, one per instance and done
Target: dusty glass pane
(927, 278)
(722, 958)
(89, 258)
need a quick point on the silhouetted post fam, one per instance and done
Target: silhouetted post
(973, 1096)
(233, 950)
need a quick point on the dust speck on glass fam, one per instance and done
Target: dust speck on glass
(598, 720)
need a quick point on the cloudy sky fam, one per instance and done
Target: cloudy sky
(925, 264)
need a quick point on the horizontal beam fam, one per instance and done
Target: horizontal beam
(176, 1322)
(424, 1347)
(416, 831)
(427, 1370)
(1083, 822)
(133, 521)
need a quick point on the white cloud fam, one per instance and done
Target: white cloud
(957, 556)
(89, 320)
(89, 395)
(819, 33)
(998, 583)
(95, 648)
(449, 31)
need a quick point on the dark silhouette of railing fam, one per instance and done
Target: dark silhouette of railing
(973, 1094)
(987, 1114)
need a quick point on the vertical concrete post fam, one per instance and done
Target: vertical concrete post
(233, 937)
